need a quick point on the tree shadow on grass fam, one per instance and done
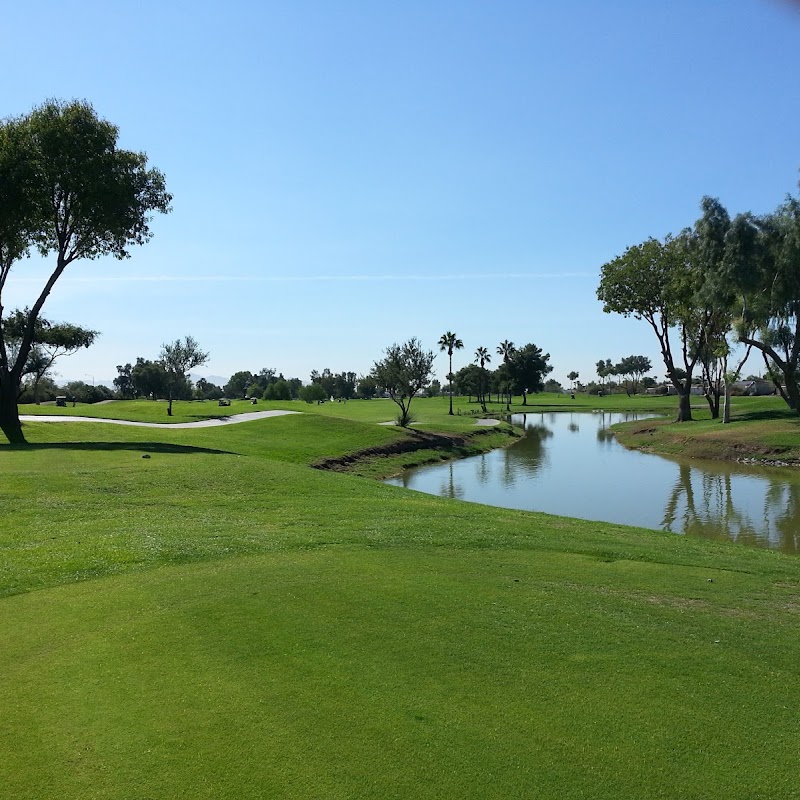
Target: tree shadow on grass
(136, 447)
(785, 414)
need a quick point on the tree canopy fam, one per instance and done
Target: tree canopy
(527, 367)
(68, 190)
(659, 282)
(51, 341)
(178, 358)
(762, 257)
(721, 277)
(404, 371)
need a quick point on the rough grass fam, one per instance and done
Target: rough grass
(221, 621)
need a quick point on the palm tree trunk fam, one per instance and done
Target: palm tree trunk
(450, 382)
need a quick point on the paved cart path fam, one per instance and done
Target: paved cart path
(203, 423)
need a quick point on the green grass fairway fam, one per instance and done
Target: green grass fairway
(221, 621)
(426, 410)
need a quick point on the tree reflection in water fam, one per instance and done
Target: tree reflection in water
(785, 496)
(528, 456)
(483, 470)
(449, 486)
(703, 504)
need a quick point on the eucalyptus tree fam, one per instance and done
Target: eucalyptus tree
(711, 240)
(67, 189)
(506, 349)
(482, 358)
(763, 265)
(662, 283)
(632, 368)
(572, 377)
(449, 343)
(123, 383)
(604, 369)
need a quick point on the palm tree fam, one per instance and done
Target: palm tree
(507, 349)
(482, 358)
(449, 342)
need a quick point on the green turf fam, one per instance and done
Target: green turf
(428, 411)
(761, 429)
(221, 621)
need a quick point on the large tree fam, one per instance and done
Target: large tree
(449, 343)
(238, 383)
(67, 190)
(405, 370)
(763, 264)
(367, 387)
(528, 366)
(178, 358)
(123, 383)
(149, 379)
(661, 283)
(605, 369)
(467, 381)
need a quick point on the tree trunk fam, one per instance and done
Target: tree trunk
(684, 405)
(791, 391)
(712, 397)
(9, 414)
(450, 381)
(726, 412)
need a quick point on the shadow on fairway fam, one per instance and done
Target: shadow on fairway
(147, 447)
(756, 416)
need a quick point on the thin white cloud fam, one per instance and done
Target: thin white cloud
(312, 278)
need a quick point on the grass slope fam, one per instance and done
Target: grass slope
(760, 430)
(221, 621)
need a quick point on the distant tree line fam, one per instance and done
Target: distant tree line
(406, 372)
(630, 370)
(521, 372)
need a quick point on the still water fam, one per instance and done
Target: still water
(571, 464)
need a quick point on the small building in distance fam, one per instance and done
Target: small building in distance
(754, 388)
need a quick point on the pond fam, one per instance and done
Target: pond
(571, 464)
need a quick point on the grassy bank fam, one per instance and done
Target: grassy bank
(221, 620)
(763, 432)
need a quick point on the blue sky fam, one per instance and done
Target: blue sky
(351, 174)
